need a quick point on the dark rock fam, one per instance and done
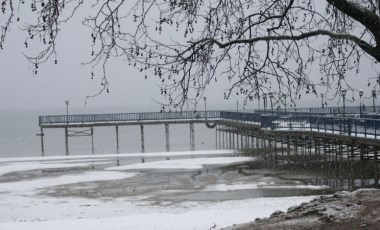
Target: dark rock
(326, 218)
(349, 205)
(294, 208)
(311, 211)
(337, 195)
(276, 213)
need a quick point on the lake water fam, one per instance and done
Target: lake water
(18, 138)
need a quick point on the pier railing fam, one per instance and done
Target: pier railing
(325, 110)
(125, 117)
(360, 127)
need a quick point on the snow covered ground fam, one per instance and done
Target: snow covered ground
(121, 155)
(184, 164)
(29, 200)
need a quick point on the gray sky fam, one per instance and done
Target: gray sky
(69, 80)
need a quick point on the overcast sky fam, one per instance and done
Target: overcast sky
(69, 80)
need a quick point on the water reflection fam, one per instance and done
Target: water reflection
(346, 184)
(244, 174)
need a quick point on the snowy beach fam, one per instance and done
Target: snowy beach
(197, 191)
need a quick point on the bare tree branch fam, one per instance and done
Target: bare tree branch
(257, 45)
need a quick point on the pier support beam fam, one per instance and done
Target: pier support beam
(257, 141)
(237, 139)
(167, 136)
(223, 138)
(67, 140)
(192, 137)
(231, 140)
(220, 139)
(216, 137)
(142, 139)
(241, 141)
(376, 161)
(117, 139)
(92, 141)
(117, 144)
(42, 142)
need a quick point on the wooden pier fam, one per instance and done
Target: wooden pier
(283, 137)
(83, 125)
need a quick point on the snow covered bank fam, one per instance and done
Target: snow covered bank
(135, 216)
(121, 155)
(31, 185)
(129, 200)
(25, 166)
(197, 163)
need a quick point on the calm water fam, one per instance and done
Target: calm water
(18, 138)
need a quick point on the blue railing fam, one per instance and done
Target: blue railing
(359, 127)
(326, 110)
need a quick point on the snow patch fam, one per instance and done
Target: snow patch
(197, 163)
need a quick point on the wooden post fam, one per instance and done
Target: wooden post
(42, 142)
(67, 140)
(229, 140)
(282, 149)
(257, 140)
(92, 141)
(220, 139)
(233, 140)
(376, 166)
(288, 148)
(237, 139)
(142, 139)
(241, 141)
(361, 161)
(216, 137)
(275, 151)
(317, 149)
(117, 139)
(223, 139)
(192, 137)
(117, 144)
(167, 138)
(325, 150)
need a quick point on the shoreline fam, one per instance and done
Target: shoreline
(359, 209)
